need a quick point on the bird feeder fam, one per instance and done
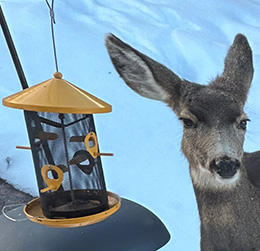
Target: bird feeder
(64, 145)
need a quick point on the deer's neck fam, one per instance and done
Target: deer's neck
(230, 216)
(221, 205)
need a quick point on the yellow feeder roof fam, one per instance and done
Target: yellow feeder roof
(57, 95)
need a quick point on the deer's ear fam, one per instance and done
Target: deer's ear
(238, 71)
(144, 75)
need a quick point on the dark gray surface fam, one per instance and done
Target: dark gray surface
(132, 228)
(9, 195)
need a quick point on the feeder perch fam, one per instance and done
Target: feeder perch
(64, 145)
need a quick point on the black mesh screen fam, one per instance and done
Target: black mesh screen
(58, 139)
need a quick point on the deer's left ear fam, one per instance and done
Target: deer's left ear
(238, 71)
(141, 73)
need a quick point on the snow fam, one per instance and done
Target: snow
(190, 37)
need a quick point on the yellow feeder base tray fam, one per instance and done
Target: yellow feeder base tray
(33, 211)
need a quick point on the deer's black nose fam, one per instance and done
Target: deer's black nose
(225, 167)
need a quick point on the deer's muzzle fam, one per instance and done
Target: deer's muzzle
(225, 167)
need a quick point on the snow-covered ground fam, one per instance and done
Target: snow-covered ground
(190, 37)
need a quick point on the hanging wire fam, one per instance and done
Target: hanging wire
(51, 8)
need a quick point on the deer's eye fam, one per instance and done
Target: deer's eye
(243, 124)
(188, 123)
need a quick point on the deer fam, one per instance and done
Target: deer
(225, 179)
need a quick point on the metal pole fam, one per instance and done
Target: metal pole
(12, 50)
(24, 84)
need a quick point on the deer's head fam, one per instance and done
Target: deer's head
(214, 123)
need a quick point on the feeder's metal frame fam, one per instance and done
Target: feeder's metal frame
(45, 97)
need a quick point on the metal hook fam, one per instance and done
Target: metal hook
(51, 8)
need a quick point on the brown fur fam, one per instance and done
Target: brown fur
(225, 179)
